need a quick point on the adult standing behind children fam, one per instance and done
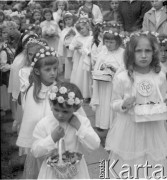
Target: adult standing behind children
(92, 10)
(132, 13)
(156, 18)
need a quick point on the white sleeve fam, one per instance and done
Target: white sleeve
(117, 95)
(86, 134)
(24, 80)
(43, 143)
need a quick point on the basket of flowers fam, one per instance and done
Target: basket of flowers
(64, 163)
(104, 73)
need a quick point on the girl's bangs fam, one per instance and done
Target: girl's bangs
(50, 61)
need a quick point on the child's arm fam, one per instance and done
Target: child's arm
(85, 132)
(24, 80)
(44, 142)
(121, 101)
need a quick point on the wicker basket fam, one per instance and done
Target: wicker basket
(65, 166)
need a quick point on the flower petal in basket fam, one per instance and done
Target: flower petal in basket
(68, 168)
(150, 112)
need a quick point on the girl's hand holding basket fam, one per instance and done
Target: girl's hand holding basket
(57, 134)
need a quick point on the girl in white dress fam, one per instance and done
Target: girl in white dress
(66, 37)
(65, 123)
(109, 60)
(31, 48)
(36, 104)
(138, 136)
(14, 83)
(81, 45)
(59, 6)
(50, 29)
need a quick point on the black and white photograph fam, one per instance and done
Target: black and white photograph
(83, 89)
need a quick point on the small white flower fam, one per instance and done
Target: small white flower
(53, 53)
(116, 34)
(60, 99)
(37, 54)
(71, 95)
(47, 53)
(42, 50)
(55, 89)
(52, 49)
(70, 101)
(52, 96)
(47, 47)
(42, 55)
(77, 101)
(62, 90)
(33, 63)
(35, 59)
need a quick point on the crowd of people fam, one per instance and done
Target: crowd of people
(115, 60)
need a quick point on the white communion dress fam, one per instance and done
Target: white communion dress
(133, 142)
(74, 139)
(102, 90)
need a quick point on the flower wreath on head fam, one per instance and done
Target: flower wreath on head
(62, 95)
(163, 42)
(109, 24)
(127, 39)
(34, 40)
(43, 52)
(113, 33)
(83, 19)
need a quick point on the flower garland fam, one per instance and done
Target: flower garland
(34, 40)
(113, 33)
(43, 52)
(62, 95)
(127, 39)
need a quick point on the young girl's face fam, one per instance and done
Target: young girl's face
(48, 74)
(62, 114)
(61, 5)
(164, 53)
(69, 21)
(114, 5)
(48, 16)
(111, 44)
(84, 31)
(143, 53)
(37, 16)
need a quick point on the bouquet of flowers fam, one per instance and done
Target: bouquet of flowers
(64, 164)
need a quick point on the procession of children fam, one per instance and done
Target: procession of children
(120, 71)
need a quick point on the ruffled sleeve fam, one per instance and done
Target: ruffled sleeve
(119, 91)
(86, 134)
(24, 79)
(43, 142)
